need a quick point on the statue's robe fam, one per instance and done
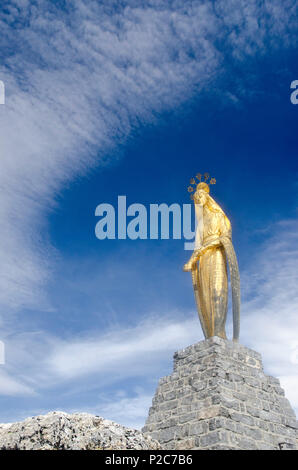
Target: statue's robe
(211, 278)
(212, 275)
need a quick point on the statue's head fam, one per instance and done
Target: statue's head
(202, 193)
(203, 187)
(201, 196)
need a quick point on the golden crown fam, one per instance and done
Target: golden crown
(200, 182)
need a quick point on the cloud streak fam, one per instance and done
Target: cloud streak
(12, 387)
(270, 321)
(124, 352)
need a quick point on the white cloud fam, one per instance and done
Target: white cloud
(42, 361)
(128, 410)
(132, 411)
(78, 82)
(12, 387)
(124, 352)
(290, 384)
(269, 319)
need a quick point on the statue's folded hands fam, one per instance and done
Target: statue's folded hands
(206, 247)
(197, 253)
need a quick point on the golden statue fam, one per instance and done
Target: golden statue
(213, 252)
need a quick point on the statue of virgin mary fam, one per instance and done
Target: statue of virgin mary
(208, 264)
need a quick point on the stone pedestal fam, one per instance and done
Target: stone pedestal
(218, 397)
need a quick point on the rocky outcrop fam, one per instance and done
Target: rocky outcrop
(79, 431)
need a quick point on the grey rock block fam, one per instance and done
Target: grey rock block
(220, 398)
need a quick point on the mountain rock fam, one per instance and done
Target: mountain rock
(79, 431)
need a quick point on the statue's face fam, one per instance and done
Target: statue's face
(201, 197)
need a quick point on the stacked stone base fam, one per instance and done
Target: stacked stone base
(219, 398)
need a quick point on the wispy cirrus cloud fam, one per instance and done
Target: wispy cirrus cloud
(124, 352)
(122, 407)
(270, 320)
(79, 80)
(13, 387)
(43, 361)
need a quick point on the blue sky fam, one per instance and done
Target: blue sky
(133, 98)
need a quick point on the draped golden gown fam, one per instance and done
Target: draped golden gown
(212, 274)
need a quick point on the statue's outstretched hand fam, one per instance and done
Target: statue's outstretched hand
(188, 266)
(191, 263)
